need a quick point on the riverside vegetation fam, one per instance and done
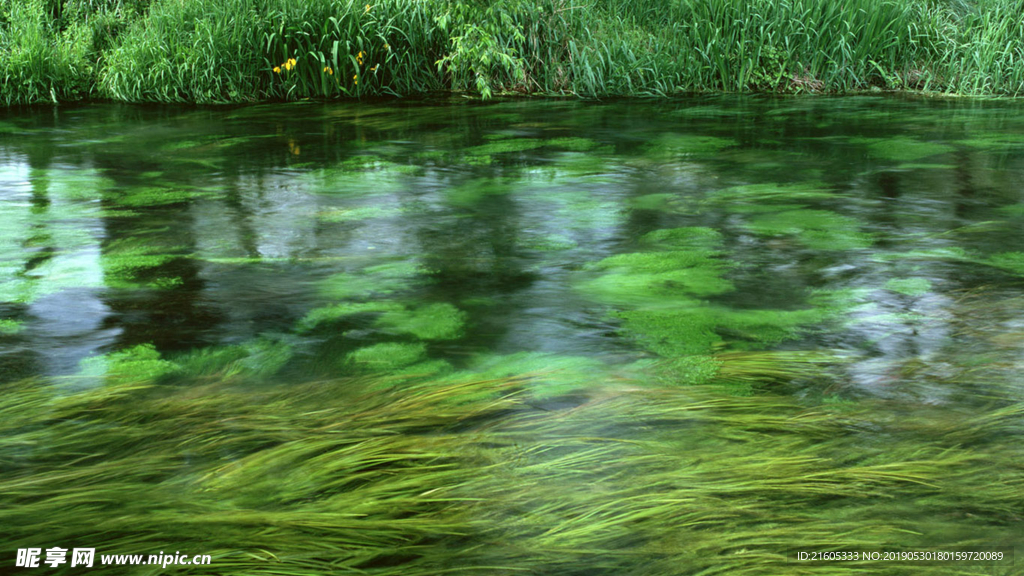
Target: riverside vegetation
(222, 51)
(542, 337)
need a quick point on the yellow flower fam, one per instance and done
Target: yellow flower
(328, 70)
(277, 69)
(355, 79)
(359, 58)
(374, 69)
(292, 61)
(367, 7)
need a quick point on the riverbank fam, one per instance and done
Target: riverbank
(233, 51)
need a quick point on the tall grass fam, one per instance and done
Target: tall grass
(210, 51)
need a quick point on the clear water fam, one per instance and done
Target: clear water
(191, 228)
(858, 255)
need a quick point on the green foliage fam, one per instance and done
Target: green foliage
(208, 51)
(139, 364)
(909, 286)
(9, 327)
(816, 229)
(472, 476)
(386, 356)
(431, 322)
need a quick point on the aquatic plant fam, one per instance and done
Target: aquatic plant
(816, 229)
(472, 475)
(440, 321)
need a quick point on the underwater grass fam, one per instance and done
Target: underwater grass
(432, 477)
(218, 51)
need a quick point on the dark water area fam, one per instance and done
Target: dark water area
(747, 325)
(192, 228)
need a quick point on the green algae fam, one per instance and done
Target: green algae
(335, 312)
(677, 146)
(652, 277)
(10, 327)
(704, 240)
(1013, 210)
(505, 146)
(816, 229)
(572, 143)
(386, 356)
(901, 148)
(1012, 262)
(140, 363)
(124, 260)
(440, 321)
(701, 329)
(373, 281)
(356, 214)
(909, 286)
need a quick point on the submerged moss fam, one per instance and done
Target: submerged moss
(386, 356)
(1012, 262)
(333, 313)
(440, 321)
(141, 363)
(909, 286)
(901, 148)
(675, 146)
(816, 229)
(10, 327)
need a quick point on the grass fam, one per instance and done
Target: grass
(219, 51)
(469, 477)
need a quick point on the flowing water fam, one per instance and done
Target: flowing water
(856, 255)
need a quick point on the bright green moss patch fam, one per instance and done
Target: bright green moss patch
(901, 148)
(816, 229)
(656, 288)
(678, 146)
(431, 322)
(10, 327)
(122, 259)
(333, 313)
(386, 356)
(573, 143)
(700, 329)
(139, 364)
(909, 286)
